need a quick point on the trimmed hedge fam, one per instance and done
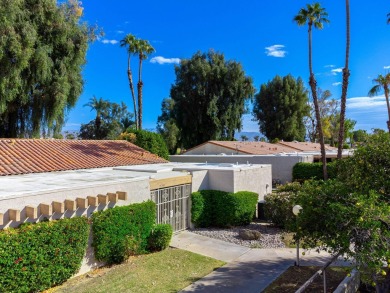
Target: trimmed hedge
(160, 237)
(306, 171)
(35, 257)
(122, 231)
(150, 141)
(222, 209)
(278, 205)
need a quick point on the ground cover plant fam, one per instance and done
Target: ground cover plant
(167, 271)
(223, 209)
(38, 256)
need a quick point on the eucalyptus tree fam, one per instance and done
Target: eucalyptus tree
(346, 74)
(382, 82)
(314, 15)
(130, 43)
(43, 49)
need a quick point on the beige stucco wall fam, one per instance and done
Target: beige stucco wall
(281, 165)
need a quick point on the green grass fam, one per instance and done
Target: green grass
(167, 271)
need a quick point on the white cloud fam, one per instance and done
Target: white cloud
(366, 102)
(386, 67)
(336, 83)
(120, 32)
(275, 51)
(337, 70)
(112, 42)
(163, 60)
(329, 66)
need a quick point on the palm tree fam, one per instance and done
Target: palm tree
(382, 82)
(100, 106)
(144, 49)
(388, 18)
(131, 43)
(346, 74)
(314, 15)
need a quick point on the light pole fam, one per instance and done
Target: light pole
(296, 209)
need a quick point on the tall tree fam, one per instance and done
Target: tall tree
(129, 42)
(100, 106)
(210, 96)
(42, 53)
(166, 125)
(314, 15)
(346, 74)
(382, 82)
(144, 49)
(280, 108)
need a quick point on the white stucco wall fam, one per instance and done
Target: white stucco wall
(281, 165)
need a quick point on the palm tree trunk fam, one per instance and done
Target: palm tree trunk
(388, 106)
(346, 74)
(130, 77)
(139, 88)
(313, 86)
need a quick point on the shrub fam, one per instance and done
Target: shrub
(222, 209)
(368, 169)
(278, 205)
(35, 257)
(306, 171)
(122, 231)
(150, 141)
(160, 237)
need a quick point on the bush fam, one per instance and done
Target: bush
(122, 231)
(35, 257)
(278, 205)
(150, 141)
(160, 237)
(306, 171)
(368, 169)
(222, 209)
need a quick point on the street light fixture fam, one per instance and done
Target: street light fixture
(296, 210)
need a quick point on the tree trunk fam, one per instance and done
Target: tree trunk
(130, 77)
(139, 87)
(313, 86)
(388, 105)
(344, 91)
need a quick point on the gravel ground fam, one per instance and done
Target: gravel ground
(271, 237)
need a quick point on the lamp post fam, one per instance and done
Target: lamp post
(296, 209)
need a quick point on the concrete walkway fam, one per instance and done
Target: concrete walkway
(247, 270)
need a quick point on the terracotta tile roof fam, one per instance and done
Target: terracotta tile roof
(305, 146)
(22, 156)
(254, 147)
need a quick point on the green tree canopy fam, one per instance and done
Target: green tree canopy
(280, 108)
(210, 95)
(166, 125)
(42, 53)
(111, 120)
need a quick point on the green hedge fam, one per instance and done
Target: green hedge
(150, 141)
(278, 205)
(305, 171)
(122, 231)
(35, 257)
(222, 209)
(160, 237)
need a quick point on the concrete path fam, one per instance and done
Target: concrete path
(247, 270)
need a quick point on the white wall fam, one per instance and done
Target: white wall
(281, 165)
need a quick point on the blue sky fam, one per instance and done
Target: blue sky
(259, 34)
